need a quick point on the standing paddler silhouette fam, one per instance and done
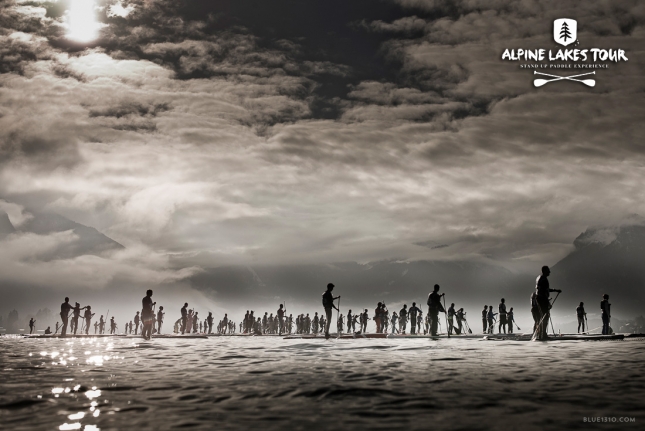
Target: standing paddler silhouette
(328, 303)
(434, 308)
(147, 315)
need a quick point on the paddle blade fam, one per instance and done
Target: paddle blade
(589, 82)
(539, 82)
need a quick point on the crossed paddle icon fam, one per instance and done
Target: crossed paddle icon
(540, 82)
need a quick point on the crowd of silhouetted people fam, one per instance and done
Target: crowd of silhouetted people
(149, 321)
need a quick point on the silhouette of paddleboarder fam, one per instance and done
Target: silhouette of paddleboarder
(542, 290)
(328, 303)
(147, 315)
(434, 308)
(65, 307)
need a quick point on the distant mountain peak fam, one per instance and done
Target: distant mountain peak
(607, 259)
(630, 227)
(89, 240)
(599, 236)
(6, 227)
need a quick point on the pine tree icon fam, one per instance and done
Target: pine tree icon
(564, 32)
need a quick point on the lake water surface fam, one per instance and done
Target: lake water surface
(268, 383)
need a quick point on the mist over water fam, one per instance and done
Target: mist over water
(268, 383)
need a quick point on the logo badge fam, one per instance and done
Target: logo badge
(565, 31)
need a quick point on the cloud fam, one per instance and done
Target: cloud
(26, 260)
(118, 9)
(200, 144)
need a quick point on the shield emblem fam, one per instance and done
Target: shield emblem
(565, 31)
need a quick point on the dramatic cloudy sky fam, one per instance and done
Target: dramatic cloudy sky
(200, 133)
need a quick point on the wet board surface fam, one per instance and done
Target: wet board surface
(245, 335)
(456, 337)
(561, 338)
(138, 337)
(393, 336)
(335, 336)
(74, 336)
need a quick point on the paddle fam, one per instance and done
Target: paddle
(537, 327)
(149, 322)
(551, 320)
(106, 319)
(444, 314)
(467, 326)
(338, 317)
(586, 323)
(540, 82)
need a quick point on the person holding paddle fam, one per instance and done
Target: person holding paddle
(403, 318)
(280, 314)
(491, 320)
(160, 316)
(147, 315)
(112, 325)
(605, 308)
(412, 313)
(88, 319)
(328, 303)
(580, 312)
(377, 317)
(76, 314)
(460, 318)
(65, 308)
(502, 316)
(542, 289)
(510, 317)
(451, 318)
(434, 307)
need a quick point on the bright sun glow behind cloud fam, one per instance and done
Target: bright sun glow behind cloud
(81, 21)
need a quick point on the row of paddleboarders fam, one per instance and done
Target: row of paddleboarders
(506, 318)
(152, 321)
(148, 321)
(147, 318)
(190, 322)
(382, 318)
(305, 324)
(541, 305)
(302, 324)
(269, 324)
(605, 312)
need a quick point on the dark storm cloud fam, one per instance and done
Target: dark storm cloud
(201, 133)
(130, 109)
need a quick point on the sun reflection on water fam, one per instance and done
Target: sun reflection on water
(96, 352)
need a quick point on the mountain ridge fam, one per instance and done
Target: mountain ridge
(89, 240)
